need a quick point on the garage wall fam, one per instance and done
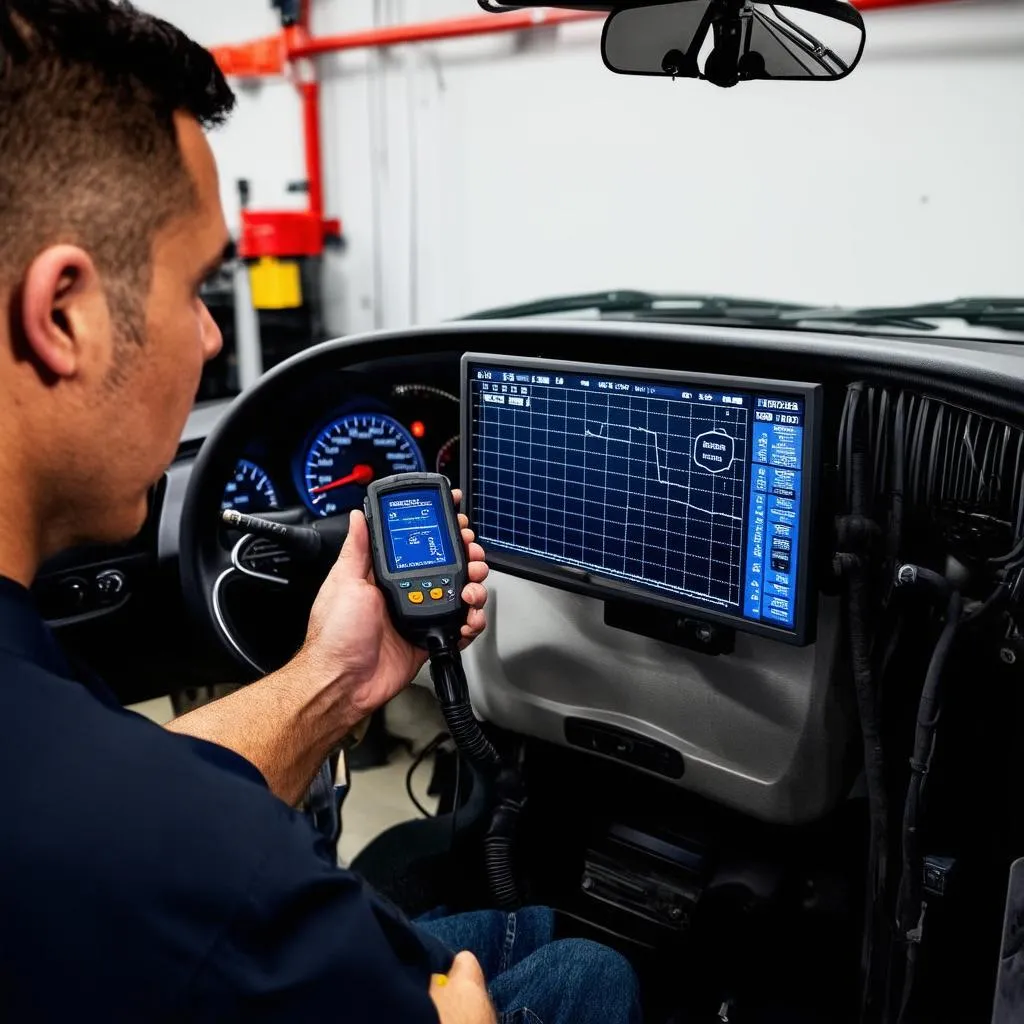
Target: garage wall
(478, 172)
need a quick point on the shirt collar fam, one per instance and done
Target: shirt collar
(23, 632)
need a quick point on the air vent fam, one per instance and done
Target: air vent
(188, 450)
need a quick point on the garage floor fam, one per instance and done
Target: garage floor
(377, 799)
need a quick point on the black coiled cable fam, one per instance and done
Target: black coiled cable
(469, 737)
(499, 843)
(452, 691)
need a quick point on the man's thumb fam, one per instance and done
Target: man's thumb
(354, 560)
(466, 968)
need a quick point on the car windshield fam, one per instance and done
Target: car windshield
(511, 172)
(846, 205)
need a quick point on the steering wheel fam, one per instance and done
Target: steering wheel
(250, 597)
(254, 609)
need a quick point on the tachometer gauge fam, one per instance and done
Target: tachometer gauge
(351, 452)
(249, 490)
(448, 459)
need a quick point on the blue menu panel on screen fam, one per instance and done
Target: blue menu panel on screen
(693, 492)
(414, 530)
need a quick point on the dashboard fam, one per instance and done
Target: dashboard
(344, 434)
(683, 672)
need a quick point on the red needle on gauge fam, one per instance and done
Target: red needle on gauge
(361, 475)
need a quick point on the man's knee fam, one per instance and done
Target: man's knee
(595, 975)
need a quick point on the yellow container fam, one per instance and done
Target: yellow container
(276, 284)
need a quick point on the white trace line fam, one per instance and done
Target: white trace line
(657, 464)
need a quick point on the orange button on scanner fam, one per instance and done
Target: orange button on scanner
(436, 594)
(416, 596)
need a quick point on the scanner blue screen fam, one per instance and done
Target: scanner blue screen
(694, 492)
(415, 532)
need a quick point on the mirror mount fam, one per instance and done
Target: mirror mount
(722, 68)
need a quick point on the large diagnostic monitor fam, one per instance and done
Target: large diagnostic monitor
(680, 490)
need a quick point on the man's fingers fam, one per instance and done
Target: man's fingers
(475, 624)
(475, 595)
(354, 560)
(460, 997)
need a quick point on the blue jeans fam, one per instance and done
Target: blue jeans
(534, 980)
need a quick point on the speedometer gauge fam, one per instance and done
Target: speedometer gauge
(249, 490)
(351, 452)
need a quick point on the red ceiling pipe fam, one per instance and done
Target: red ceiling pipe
(877, 5)
(260, 58)
(447, 28)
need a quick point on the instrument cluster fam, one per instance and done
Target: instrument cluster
(324, 453)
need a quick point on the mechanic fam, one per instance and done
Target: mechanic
(163, 874)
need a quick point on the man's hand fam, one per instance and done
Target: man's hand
(352, 662)
(351, 639)
(460, 996)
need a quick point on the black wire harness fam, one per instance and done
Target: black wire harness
(948, 485)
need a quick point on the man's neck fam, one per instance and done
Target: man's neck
(17, 560)
(22, 545)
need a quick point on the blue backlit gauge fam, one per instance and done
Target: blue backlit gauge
(351, 452)
(249, 490)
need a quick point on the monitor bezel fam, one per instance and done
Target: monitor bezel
(579, 581)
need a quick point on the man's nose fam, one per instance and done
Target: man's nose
(213, 340)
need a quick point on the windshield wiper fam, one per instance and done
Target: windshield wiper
(1005, 313)
(650, 306)
(732, 311)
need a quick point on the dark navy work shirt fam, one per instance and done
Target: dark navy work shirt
(147, 876)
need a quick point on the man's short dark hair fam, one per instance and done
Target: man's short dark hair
(88, 147)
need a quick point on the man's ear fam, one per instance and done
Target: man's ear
(64, 313)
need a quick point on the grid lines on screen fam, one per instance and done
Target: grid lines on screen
(609, 482)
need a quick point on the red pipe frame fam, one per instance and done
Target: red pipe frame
(309, 91)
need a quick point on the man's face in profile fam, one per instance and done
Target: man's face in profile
(109, 224)
(149, 388)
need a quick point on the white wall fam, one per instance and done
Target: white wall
(485, 171)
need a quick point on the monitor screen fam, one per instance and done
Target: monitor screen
(415, 534)
(680, 489)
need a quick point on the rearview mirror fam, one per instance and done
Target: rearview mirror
(729, 41)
